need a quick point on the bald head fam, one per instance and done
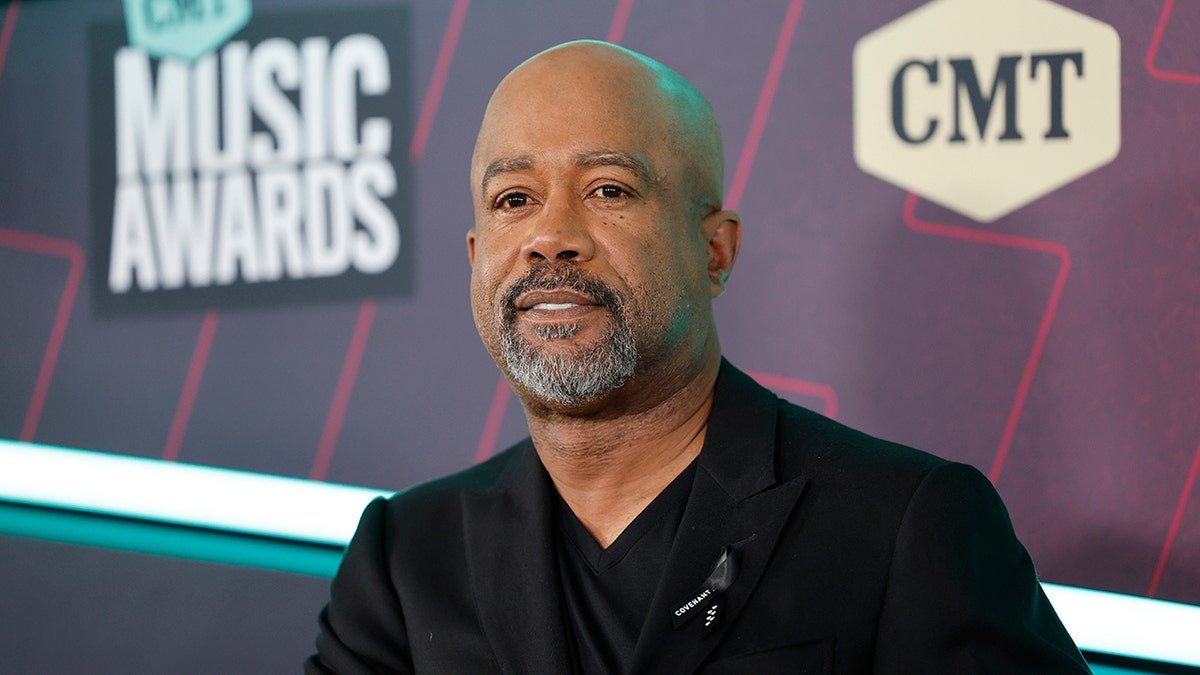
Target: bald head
(589, 81)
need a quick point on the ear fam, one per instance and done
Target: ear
(723, 232)
(471, 246)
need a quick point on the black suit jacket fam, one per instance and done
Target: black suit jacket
(855, 556)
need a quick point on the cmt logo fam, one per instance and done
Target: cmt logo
(985, 106)
(183, 29)
(965, 89)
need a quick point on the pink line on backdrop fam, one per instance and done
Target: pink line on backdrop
(441, 71)
(814, 389)
(758, 123)
(616, 30)
(1152, 51)
(10, 22)
(345, 385)
(1174, 529)
(366, 313)
(59, 248)
(191, 386)
(1008, 241)
(762, 109)
(1186, 78)
(495, 418)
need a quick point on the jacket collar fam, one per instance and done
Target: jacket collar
(736, 501)
(511, 558)
(743, 417)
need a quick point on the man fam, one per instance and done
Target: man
(667, 515)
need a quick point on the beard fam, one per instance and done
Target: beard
(567, 378)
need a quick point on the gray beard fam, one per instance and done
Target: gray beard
(567, 379)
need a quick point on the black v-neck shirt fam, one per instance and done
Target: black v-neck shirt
(607, 591)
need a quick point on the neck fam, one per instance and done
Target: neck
(609, 468)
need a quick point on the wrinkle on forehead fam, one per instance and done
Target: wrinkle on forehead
(639, 86)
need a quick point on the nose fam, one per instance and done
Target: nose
(559, 233)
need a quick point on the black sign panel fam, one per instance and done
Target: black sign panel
(272, 170)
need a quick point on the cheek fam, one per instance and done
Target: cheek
(489, 269)
(661, 294)
(494, 272)
(483, 297)
(678, 288)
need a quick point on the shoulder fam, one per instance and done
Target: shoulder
(806, 443)
(830, 449)
(404, 565)
(896, 493)
(861, 479)
(442, 497)
(750, 422)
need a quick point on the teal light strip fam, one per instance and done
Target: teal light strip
(176, 541)
(301, 526)
(186, 494)
(1127, 625)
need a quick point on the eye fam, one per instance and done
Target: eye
(610, 191)
(511, 200)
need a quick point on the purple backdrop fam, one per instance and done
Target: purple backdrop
(1063, 363)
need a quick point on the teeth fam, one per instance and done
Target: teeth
(555, 305)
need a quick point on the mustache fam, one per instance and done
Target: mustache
(547, 276)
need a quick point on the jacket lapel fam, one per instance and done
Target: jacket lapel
(736, 502)
(511, 558)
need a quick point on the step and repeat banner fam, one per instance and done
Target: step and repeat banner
(232, 234)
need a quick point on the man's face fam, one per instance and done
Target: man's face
(587, 258)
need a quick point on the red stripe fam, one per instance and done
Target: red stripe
(616, 30)
(495, 418)
(341, 395)
(366, 315)
(59, 248)
(763, 109)
(1152, 51)
(441, 70)
(10, 22)
(32, 242)
(1186, 78)
(1035, 355)
(814, 389)
(191, 386)
(1174, 530)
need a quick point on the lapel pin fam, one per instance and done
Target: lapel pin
(709, 598)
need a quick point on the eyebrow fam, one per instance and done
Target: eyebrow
(616, 158)
(504, 165)
(589, 158)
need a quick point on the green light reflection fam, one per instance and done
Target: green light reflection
(178, 541)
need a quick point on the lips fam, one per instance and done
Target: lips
(551, 300)
(557, 293)
(557, 306)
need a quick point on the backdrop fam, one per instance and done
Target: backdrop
(163, 294)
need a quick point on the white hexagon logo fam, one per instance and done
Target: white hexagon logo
(983, 106)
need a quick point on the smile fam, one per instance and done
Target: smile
(553, 306)
(556, 299)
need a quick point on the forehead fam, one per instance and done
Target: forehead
(544, 115)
